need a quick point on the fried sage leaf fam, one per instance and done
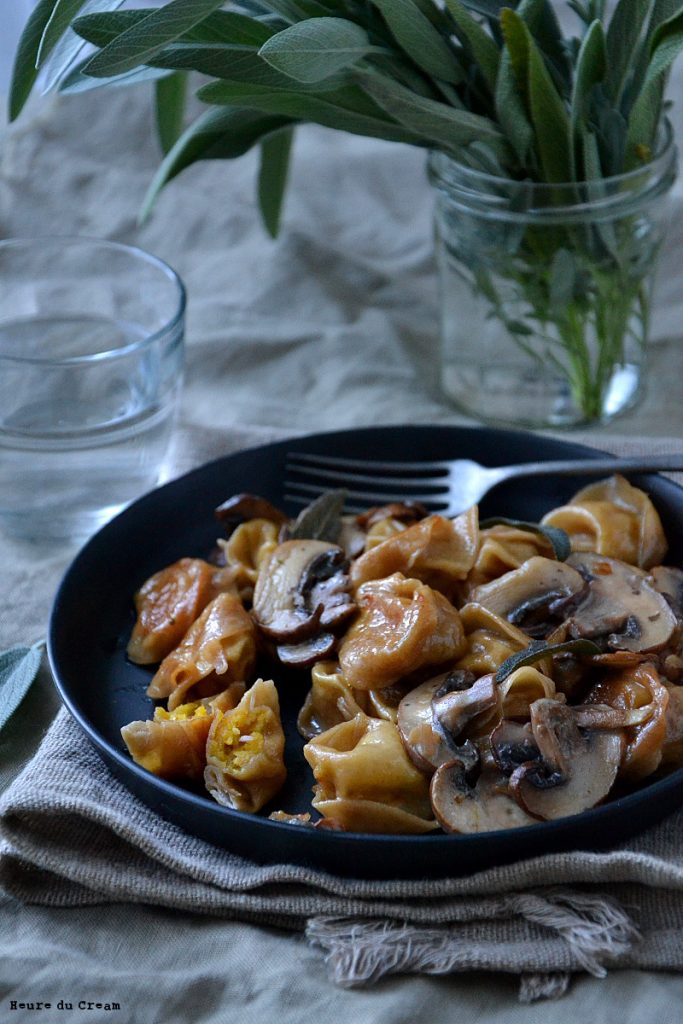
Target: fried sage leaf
(557, 537)
(539, 649)
(321, 520)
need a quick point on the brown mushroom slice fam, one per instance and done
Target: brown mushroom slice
(242, 507)
(301, 585)
(307, 652)
(621, 604)
(427, 743)
(513, 744)
(462, 806)
(455, 705)
(668, 581)
(578, 767)
(532, 594)
(404, 511)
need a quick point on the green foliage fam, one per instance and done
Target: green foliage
(496, 85)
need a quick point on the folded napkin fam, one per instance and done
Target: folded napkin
(71, 835)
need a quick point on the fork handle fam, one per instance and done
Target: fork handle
(591, 467)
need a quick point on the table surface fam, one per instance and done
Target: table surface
(332, 325)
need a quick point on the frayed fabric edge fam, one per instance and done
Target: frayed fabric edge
(597, 930)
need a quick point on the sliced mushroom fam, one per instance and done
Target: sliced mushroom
(430, 740)
(668, 581)
(578, 767)
(621, 605)
(308, 652)
(242, 507)
(462, 805)
(302, 587)
(534, 596)
(513, 744)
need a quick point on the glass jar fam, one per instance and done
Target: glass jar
(546, 290)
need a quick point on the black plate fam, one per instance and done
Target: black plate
(92, 618)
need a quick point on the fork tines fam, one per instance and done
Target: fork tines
(366, 483)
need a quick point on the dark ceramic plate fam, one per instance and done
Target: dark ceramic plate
(93, 615)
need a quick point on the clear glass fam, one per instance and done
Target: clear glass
(91, 365)
(546, 290)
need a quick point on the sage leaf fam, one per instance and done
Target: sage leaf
(63, 12)
(24, 71)
(272, 179)
(76, 81)
(511, 111)
(549, 119)
(218, 27)
(18, 668)
(216, 135)
(591, 64)
(435, 121)
(296, 10)
(539, 649)
(140, 42)
(66, 51)
(237, 64)
(484, 50)
(558, 538)
(623, 35)
(421, 41)
(317, 48)
(667, 43)
(339, 109)
(170, 95)
(321, 520)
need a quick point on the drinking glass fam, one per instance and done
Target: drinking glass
(91, 364)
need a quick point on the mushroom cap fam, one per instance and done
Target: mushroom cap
(464, 807)
(430, 740)
(578, 767)
(301, 586)
(532, 593)
(622, 604)
(513, 744)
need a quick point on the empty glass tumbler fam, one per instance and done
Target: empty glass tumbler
(91, 364)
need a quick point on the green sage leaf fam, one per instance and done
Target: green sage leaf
(539, 649)
(216, 135)
(170, 96)
(342, 109)
(511, 110)
(484, 50)
(59, 21)
(558, 538)
(591, 64)
(550, 121)
(667, 43)
(420, 40)
(18, 669)
(272, 179)
(438, 122)
(623, 35)
(218, 27)
(65, 53)
(321, 520)
(317, 48)
(24, 71)
(140, 42)
(76, 81)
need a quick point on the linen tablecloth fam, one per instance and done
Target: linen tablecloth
(333, 325)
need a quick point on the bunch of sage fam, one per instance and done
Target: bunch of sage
(501, 88)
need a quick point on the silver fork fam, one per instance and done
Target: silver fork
(448, 487)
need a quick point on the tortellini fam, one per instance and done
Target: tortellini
(366, 782)
(330, 700)
(245, 765)
(404, 626)
(219, 648)
(613, 518)
(246, 550)
(168, 603)
(173, 744)
(435, 550)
